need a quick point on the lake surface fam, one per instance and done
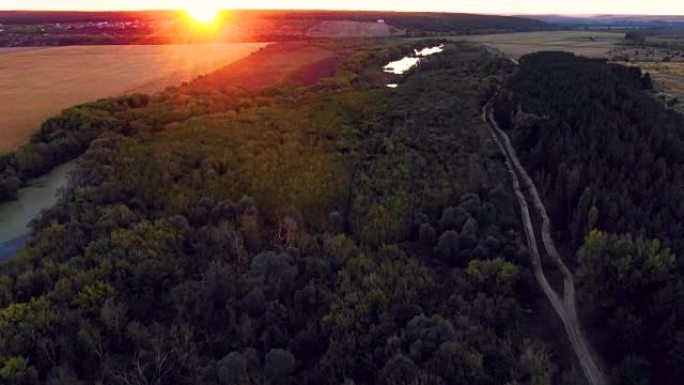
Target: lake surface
(15, 216)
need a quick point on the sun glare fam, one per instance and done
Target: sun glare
(203, 13)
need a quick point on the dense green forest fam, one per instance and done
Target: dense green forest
(342, 232)
(607, 158)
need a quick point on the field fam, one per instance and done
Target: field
(659, 57)
(586, 43)
(38, 83)
(669, 81)
(349, 28)
(282, 63)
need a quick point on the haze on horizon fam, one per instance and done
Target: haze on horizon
(624, 7)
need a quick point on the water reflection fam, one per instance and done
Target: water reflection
(403, 65)
(430, 50)
(15, 216)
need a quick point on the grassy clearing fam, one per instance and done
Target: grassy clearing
(38, 83)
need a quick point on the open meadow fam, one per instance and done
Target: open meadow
(38, 83)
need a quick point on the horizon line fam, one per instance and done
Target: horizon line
(578, 15)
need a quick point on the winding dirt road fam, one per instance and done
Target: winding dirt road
(527, 196)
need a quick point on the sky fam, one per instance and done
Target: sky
(646, 7)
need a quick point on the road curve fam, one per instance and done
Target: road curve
(564, 306)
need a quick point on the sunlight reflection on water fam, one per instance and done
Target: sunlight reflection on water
(401, 66)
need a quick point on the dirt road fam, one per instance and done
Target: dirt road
(565, 306)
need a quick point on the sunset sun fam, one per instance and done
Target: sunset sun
(203, 13)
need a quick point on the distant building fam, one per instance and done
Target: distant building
(381, 21)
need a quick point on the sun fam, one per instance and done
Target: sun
(203, 13)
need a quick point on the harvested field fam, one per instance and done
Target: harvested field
(6, 50)
(38, 83)
(665, 69)
(586, 43)
(668, 76)
(348, 28)
(669, 81)
(283, 63)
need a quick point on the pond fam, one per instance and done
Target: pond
(15, 216)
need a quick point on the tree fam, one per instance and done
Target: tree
(335, 223)
(456, 363)
(615, 267)
(271, 273)
(633, 370)
(468, 237)
(448, 247)
(16, 371)
(399, 370)
(232, 369)
(448, 219)
(582, 221)
(427, 235)
(278, 364)
(496, 276)
(635, 36)
(426, 334)
(9, 184)
(535, 364)
(633, 295)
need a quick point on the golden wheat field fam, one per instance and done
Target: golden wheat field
(38, 83)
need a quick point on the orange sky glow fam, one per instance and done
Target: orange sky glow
(652, 7)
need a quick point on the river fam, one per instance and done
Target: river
(15, 216)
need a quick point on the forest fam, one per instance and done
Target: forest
(607, 158)
(295, 234)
